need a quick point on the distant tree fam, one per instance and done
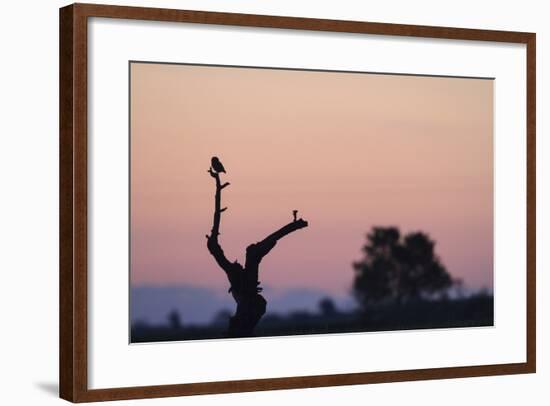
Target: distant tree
(398, 269)
(174, 319)
(327, 307)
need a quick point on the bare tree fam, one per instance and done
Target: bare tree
(243, 280)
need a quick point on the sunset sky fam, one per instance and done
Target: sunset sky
(348, 150)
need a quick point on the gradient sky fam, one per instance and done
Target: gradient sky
(349, 151)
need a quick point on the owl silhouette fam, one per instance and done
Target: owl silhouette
(217, 165)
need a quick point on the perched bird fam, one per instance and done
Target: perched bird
(217, 165)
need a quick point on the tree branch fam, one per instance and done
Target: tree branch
(256, 252)
(285, 230)
(213, 245)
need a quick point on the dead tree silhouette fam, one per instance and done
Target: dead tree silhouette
(244, 282)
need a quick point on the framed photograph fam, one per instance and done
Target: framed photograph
(255, 202)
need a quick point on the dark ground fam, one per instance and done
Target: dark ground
(475, 311)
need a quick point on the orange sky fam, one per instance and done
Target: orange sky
(349, 151)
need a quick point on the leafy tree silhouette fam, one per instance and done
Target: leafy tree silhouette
(396, 269)
(243, 280)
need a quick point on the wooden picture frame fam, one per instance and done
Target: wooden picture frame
(73, 280)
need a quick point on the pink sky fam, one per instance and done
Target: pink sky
(349, 151)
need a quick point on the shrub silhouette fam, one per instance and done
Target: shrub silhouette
(398, 269)
(174, 319)
(327, 307)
